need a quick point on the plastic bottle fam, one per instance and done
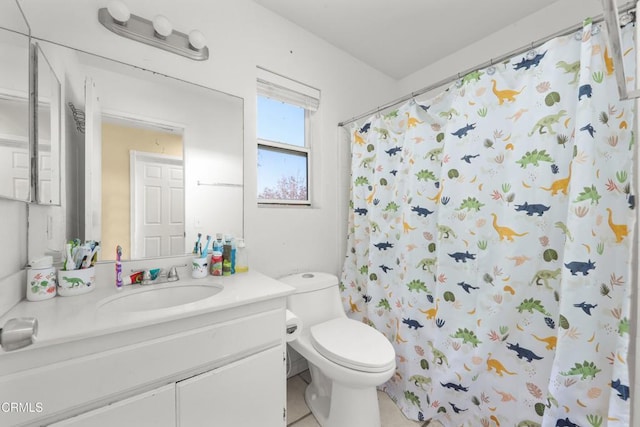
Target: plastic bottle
(216, 256)
(242, 258)
(226, 256)
(233, 255)
(119, 281)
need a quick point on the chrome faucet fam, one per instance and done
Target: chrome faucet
(18, 333)
(163, 277)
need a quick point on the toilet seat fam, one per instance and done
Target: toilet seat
(353, 344)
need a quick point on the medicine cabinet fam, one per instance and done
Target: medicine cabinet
(29, 122)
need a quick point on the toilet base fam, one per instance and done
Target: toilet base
(345, 406)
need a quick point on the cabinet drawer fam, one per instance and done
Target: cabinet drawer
(155, 408)
(95, 380)
(247, 393)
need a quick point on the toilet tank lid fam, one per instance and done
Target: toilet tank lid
(310, 281)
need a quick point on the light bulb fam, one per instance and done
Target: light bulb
(162, 25)
(197, 40)
(118, 11)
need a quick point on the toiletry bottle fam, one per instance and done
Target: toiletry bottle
(119, 282)
(226, 256)
(242, 258)
(133, 279)
(234, 250)
(216, 256)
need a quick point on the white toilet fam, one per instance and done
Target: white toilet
(347, 359)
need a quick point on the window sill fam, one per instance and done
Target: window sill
(299, 205)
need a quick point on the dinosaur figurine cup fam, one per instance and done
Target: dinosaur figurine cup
(76, 282)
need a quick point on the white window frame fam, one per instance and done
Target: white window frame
(278, 87)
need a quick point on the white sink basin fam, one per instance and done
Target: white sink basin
(157, 297)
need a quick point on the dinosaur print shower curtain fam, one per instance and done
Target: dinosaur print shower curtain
(490, 240)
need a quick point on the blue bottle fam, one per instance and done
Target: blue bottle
(233, 255)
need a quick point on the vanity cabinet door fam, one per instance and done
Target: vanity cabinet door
(247, 393)
(155, 408)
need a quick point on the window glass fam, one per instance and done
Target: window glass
(280, 122)
(282, 174)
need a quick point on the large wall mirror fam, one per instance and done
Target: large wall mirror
(163, 159)
(15, 154)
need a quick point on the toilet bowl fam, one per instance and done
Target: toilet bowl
(347, 359)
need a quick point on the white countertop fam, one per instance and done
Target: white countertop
(63, 319)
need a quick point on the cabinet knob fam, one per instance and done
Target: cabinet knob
(18, 333)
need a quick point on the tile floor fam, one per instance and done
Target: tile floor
(298, 414)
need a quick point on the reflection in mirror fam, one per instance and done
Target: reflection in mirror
(48, 131)
(163, 160)
(14, 116)
(142, 168)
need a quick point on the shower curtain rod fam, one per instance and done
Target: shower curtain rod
(600, 18)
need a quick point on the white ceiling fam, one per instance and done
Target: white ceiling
(399, 37)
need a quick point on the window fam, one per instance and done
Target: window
(285, 109)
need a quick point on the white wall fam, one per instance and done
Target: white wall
(13, 256)
(13, 226)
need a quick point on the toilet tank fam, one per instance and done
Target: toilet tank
(316, 298)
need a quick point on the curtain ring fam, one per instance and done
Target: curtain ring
(459, 81)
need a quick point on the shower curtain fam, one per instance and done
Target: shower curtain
(490, 238)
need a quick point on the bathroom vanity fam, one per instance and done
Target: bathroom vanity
(218, 360)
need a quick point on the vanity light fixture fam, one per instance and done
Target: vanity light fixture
(162, 27)
(159, 32)
(119, 12)
(197, 40)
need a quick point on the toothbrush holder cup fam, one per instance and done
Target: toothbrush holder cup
(199, 268)
(76, 282)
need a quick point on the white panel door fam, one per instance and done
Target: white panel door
(156, 408)
(14, 169)
(247, 393)
(158, 205)
(45, 175)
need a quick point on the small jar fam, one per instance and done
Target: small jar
(199, 267)
(41, 279)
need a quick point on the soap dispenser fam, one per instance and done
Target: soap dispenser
(242, 258)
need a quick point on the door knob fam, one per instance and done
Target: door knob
(18, 333)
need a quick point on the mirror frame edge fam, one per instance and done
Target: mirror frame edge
(33, 121)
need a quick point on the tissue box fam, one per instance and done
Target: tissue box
(76, 282)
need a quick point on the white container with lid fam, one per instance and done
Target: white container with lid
(242, 258)
(41, 279)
